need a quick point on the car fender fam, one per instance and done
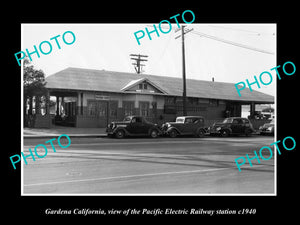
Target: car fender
(227, 128)
(123, 129)
(173, 128)
(251, 129)
(154, 128)
(200, 128)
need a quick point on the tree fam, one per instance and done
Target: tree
(34, 86)
(34, 80)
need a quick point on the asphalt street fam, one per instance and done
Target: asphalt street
(142, 166)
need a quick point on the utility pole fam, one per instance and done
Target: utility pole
(183, 72)
(183, 67)
(138, 62)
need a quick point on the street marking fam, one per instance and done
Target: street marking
(108, 153)
(172, 141)
(128, 176)
(135, 176)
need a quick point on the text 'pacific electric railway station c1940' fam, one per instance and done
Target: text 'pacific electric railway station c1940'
(94, 98)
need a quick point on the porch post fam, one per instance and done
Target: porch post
(57, 105)
(47, 96)
(37, 104)
(62, 105)
(81, 103)
(30, 105)
(252, 109)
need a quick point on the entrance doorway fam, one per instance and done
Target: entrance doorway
(102, 108)
(63, 108)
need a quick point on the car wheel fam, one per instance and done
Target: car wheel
(224, 133)
(120, 134)
(200, 133)
(173, 133)
(154, 134)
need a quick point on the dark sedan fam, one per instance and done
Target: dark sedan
(133, 126)
(185, 125)
(232, 125)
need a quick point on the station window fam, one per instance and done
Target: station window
(113, 107)
(170, 100)
(102, 108)
(143, 86)
(144, 108)
(128, 107)
(96, 108)
(213, 102)
(91, 107)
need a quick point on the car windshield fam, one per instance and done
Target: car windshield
(180, 120)
(227, 120)
(128, 118)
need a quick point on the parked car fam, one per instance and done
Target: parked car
(185, 125)
(133, 126)
(267, 128)
(232, 125)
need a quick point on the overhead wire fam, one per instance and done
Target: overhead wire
(231, 42)
(243, 30)
(164, 50)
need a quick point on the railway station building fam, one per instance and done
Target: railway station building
(94, 98)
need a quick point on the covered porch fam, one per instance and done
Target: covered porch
(63, 109)
(56, 107)
(254, 112)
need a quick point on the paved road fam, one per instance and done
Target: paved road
(149, 166)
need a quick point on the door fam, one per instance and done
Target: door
(237, 126)
(136, 126)
(70, 113)
(189, 126)
(102, 110)
(246, 125)
(113, 111)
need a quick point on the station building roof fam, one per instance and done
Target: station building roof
(119, 82)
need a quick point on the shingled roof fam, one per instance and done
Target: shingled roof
(110, 81)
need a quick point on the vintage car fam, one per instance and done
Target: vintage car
(267, 128)
(185, 125)
(232, 125)
(133, 126)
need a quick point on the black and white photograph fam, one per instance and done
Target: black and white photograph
(173, 112)
(146, 112)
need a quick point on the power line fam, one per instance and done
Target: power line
(231, 42)
(243, 30)
(159, 58)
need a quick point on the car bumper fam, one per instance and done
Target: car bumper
(266, 132)
(109, 131)
(166, 131)
(214, 131)
(160, 133)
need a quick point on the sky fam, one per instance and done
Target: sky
(108, 46)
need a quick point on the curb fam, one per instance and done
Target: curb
(70, 135)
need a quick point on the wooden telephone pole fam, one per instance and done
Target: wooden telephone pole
(183, 32)
(138, 60)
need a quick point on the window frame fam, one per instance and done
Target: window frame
(144, 111)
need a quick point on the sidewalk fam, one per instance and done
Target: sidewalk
(56, 131)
